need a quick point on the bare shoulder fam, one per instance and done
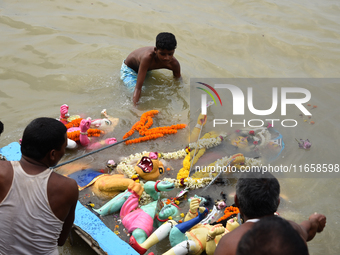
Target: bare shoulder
(62, 194)
(175, 63)
(147, 53)
(6, 171)
(62, 190)
(63, 184)
(4, 166)
(141, 53)
(6, 177)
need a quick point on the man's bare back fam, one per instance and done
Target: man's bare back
(149, 54)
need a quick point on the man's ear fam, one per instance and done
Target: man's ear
(155, 49)
(236, 201)
(52, 154)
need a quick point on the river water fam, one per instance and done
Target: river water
(70, 52)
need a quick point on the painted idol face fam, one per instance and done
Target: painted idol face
(149, 167)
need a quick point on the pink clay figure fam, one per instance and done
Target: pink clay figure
(97, 145)
(84, 126)
(106, 124)
(64, 113)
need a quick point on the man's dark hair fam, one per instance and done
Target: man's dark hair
(272, 235)
(258, 194)
(1, 127)
(166, 41)
(41, 136)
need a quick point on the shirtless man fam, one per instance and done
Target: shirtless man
(257, 196)
(142, 60)
(37, 205)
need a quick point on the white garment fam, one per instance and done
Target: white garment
(27, 224)
(253, 220)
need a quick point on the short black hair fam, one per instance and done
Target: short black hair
(166, 41)
(258, 194)
(272, 235)
(41, 136)
(1, 127)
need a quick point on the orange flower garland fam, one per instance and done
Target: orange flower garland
(73, 123)
(228, 211)
(75, 135)
(143, 125)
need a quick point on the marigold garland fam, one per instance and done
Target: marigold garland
(143, 125)
(73, 123)
(75, 135)
(228, 211)
(184, 171)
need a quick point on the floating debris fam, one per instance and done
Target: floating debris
(90, 204)
(304, 144)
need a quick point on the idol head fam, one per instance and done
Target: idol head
(149, 167)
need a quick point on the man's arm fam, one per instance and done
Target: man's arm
(176, 69)
(68, 222)
(308, 228)
(142, 70)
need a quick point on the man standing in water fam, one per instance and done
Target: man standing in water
(37, 205)
(257, 196)
(142, 60)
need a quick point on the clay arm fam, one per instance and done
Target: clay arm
(99, 144)
(185, 226)
(210, 239)
(167, 210)
(84, 126)
(201, 120)
(153, 188)
(116, 203)
(192, 213)
(64, 113)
